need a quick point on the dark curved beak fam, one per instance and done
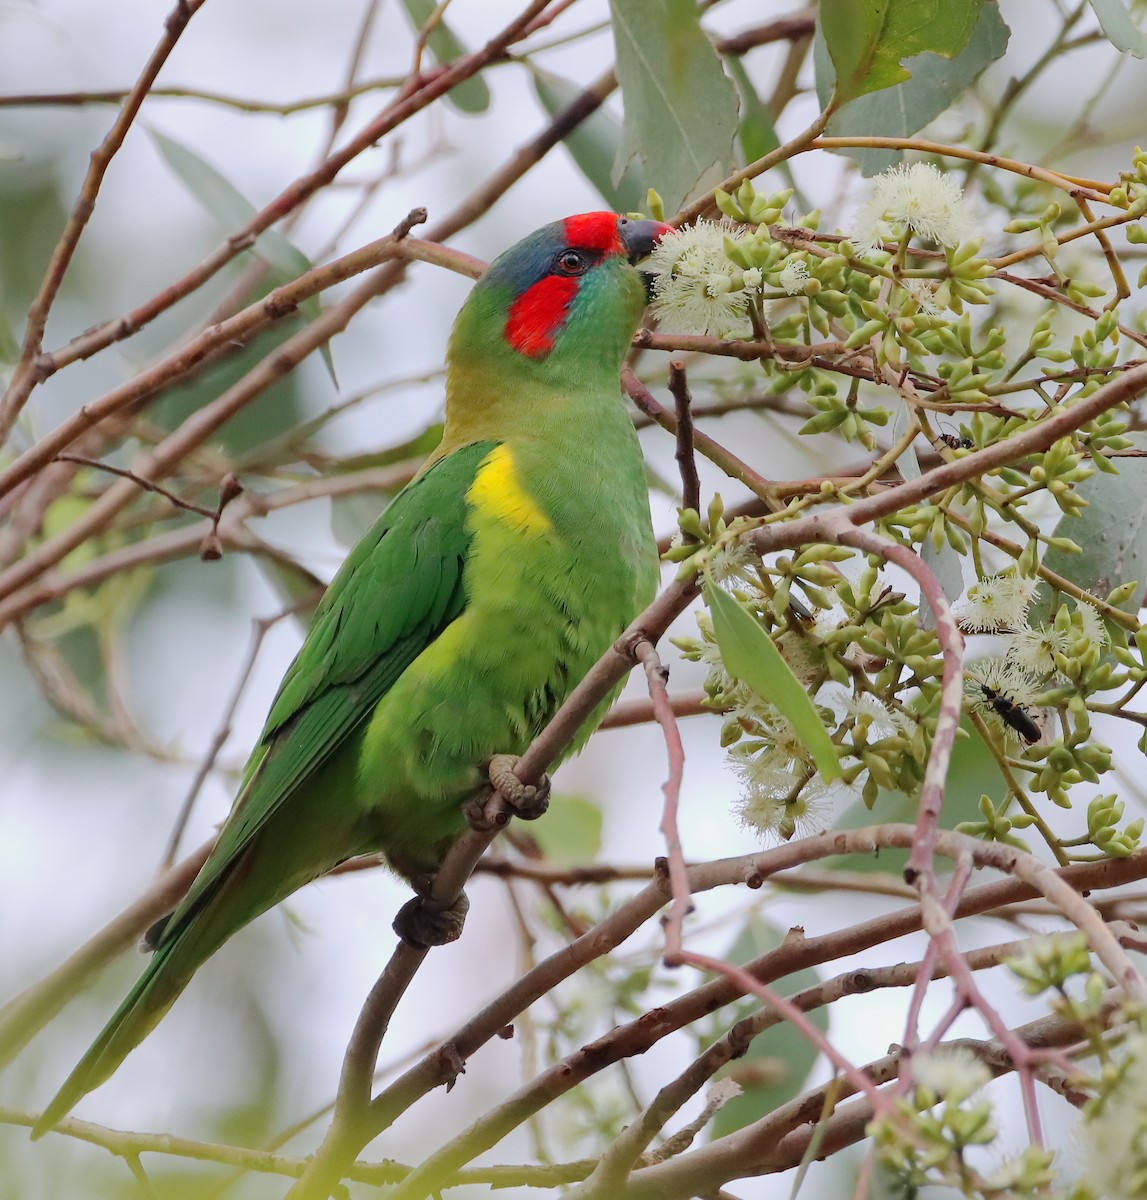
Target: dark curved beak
(639, 237)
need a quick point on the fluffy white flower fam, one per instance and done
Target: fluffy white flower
(1113, 1141)
(696, 288)
(951, 1072)
(1092, 623)
(923, 295)
(1034, 650)
(794, 276)
(917, 198)
(1000, 602)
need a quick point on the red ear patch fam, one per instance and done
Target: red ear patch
(537, 314)
(594, 231)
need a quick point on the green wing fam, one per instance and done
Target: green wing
(398, 589)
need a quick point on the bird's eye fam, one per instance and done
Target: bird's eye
(571, 262)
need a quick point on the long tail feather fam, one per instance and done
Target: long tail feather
(155, 992)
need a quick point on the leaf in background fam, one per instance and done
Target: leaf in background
(1118, 27)
(680, 108)
(751, 656)
(233, 210)
(1111, 532)
(756, 132)
(972, 773)
(471, 95)
(570, 832)
(593, 144)
(295, 586)
(900, 111)
(781, 1057)
(867, 41)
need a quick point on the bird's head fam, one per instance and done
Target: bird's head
(569, 290)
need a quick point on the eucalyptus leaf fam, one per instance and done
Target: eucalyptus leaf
(1111, 532)
(233, 210)
(868, 41)
(594, 143)
(471, 95)
(751, 656)
(680, 107)
(936, 83)
(1118, 27)
(756, 133)
(780, 1056)
(972, 773)
(570, 832)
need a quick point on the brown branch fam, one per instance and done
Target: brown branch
(24, 376)
(26, 1014)
(192, 433)
(411, 101)
(686, 463)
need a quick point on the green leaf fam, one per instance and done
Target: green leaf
(1111, 531)
(780, 1055)
(900, 111)
(680, 108)
(594, 144)
(570, 832)
(972, 772)
(750, 655)
(756, 133)
(1118, 27)
(868, 39)
(471, 95)
(233, 210)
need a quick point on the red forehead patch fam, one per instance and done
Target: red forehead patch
(538, 313)
(594, 231)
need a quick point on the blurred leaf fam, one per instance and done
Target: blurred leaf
(418, 446)
(756, 131)
(973, 772)
(751, 656)
(868, 41)
(233, 210)
(1118, 27)
(680, 108)
(471, 95)
(1111, 532)
(936, 82)
(594, 143)
(294, 585)
(781, 1057)
(9, 346)
(570, 832)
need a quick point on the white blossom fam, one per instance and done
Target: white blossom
(915, 198)
(794, 277)
(1092, 623)
(952, 1073)
(696, 287)
(1113, 1141)
(1034, 650)
(998, 603)
(923, 295)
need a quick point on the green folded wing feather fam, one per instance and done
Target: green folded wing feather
(398, 590)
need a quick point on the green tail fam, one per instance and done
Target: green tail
(154, 993)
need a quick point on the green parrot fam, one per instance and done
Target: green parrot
(461, 620)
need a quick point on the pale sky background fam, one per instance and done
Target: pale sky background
(82, 829)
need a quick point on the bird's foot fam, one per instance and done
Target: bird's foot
(527, 800)
(422, 925)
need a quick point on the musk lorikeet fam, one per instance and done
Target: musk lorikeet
(458, 624)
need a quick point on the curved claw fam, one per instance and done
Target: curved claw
(422, 926)
(528, 801)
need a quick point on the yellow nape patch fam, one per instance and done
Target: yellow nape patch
(497, 493)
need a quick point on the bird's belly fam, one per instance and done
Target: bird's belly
(485, 686)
